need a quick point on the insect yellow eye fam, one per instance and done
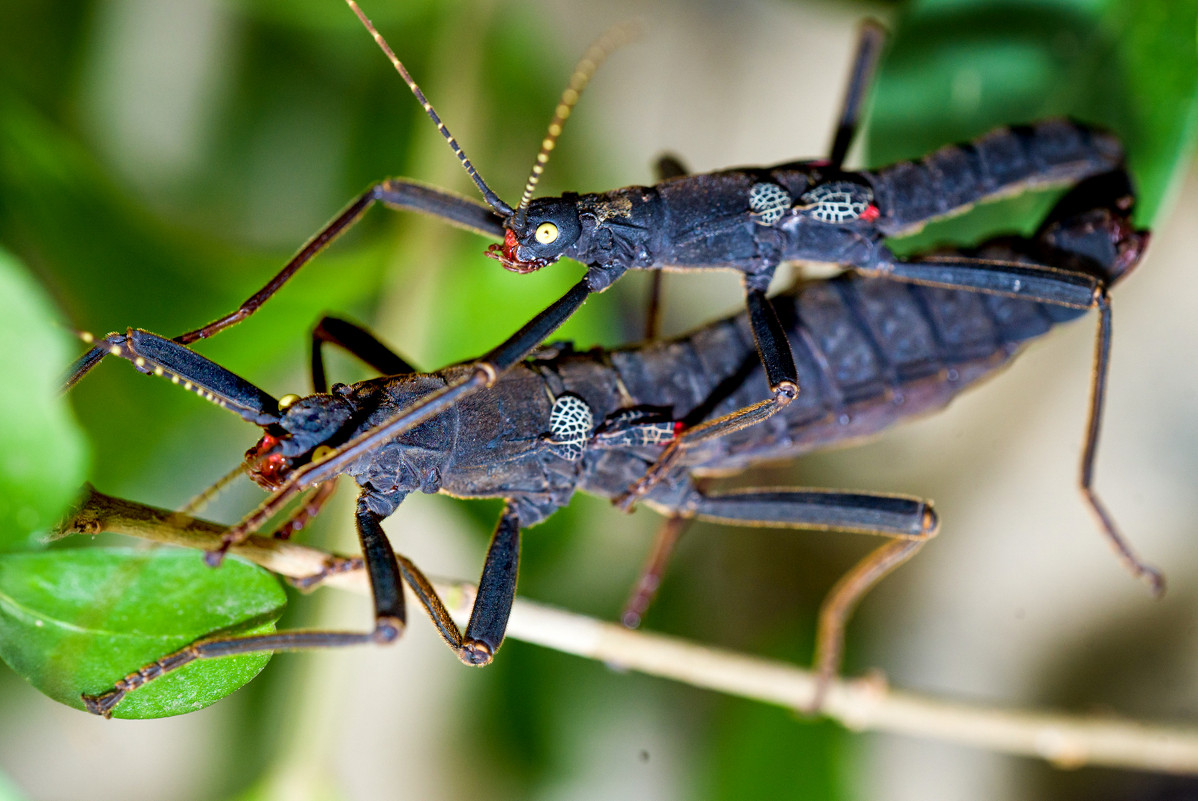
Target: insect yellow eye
(546, 233)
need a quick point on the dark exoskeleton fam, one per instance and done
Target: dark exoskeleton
(747, 220)
(869, 352)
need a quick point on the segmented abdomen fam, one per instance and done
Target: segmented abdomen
(869, 353)
(1005, 161)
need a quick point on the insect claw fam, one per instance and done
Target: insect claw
(215, 557)
(1155, 580)
(475, 653)
(104, 703)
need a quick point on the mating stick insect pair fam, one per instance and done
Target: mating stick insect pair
(865, 352)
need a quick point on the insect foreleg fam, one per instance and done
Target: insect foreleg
(395, 192)
(151, 353)
(387, 590)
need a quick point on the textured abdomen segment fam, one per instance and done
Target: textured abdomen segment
(1005, 161)
(872, 353)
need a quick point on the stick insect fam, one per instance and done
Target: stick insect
(564, 421)
(744, 219)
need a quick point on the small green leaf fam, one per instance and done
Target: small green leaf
(76, 621)
(44, 455)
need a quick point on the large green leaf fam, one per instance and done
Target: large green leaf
(76, 621)
(958, 69)
(44, 454)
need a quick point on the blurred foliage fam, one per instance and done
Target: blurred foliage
(970, 67)
(33, 489)
(271, 115)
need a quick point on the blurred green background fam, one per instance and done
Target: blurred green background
(158, 161)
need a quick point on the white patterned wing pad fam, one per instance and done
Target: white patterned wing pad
(837, 202)
(768, 202)
(571, 422)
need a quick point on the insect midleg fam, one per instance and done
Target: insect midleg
(644, 590)
(492, 604)
(356, 341)
(386, 589)
(870, 39)
(910, 522)
(773, 348)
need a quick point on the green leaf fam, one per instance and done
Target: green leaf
(955, 70)
(44, 453)
(76, 621)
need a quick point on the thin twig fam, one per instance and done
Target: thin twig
(865, 704)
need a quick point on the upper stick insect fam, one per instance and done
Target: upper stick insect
(565, 421)
(746, 219)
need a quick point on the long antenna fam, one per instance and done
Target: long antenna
(584, 70)
(197, 503)
(492, 199)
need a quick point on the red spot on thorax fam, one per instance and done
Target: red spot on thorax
(871, 213)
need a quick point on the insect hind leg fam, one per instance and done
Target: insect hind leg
(907, 521)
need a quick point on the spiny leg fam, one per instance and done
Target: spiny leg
(774, 349)
(397, 193)
(910, 522)
(387, 591)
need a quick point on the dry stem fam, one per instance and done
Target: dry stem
(862, 704)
